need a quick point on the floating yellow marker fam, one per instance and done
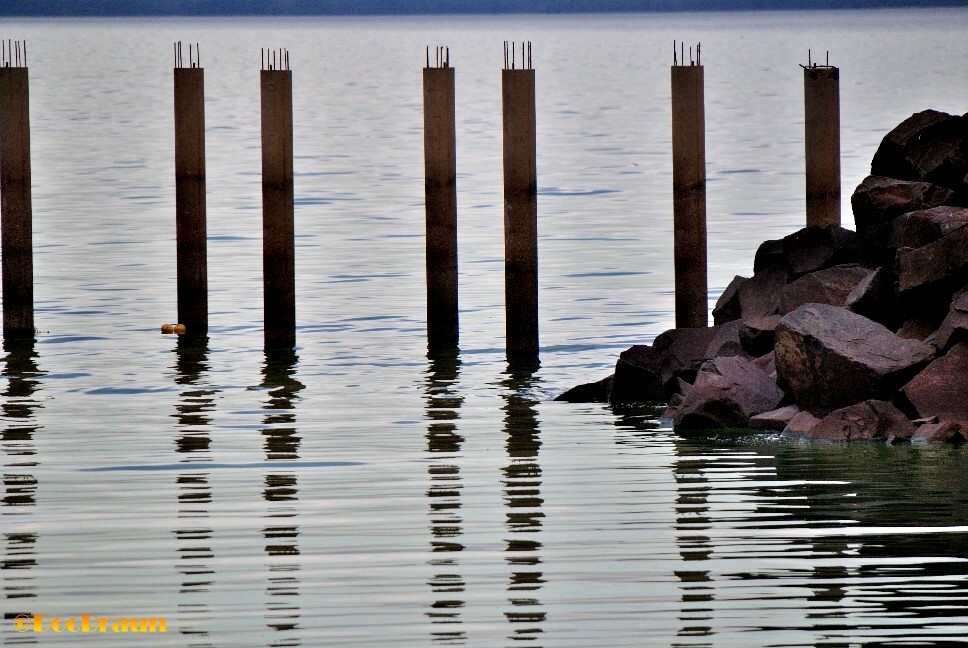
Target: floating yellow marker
(179, 329)
(167, 328)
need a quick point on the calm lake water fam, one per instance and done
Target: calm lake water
(355, 493)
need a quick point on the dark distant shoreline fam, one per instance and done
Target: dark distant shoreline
(85, 8)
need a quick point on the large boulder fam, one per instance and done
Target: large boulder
(728, 307)
(815, 248)
(759, 298)
(929, 145)
(807, 250)
(879, 200)
(954, 328)
(726, 393)
(647, 373)
(870, 420)
(875, 297)
(947, 431)
(929, 276)
(594, 392)
(829, 357)
(776, 419)
(918, 228)
(941, 389)
(828, 286)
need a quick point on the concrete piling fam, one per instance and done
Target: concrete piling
(16, 227)
(821, 91)
(440, 188)
(520, 204)
(278, 238)
(689, 191)
(190, 218)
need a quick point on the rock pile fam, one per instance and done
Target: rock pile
(837, 335)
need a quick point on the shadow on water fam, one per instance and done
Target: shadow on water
(194, 534)
(23, 376)
(281, 492)
(522, 491)
(444, 495)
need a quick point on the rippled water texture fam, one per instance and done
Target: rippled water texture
(353, 493)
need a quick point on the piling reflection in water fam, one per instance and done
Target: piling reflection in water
(194, 535)
(444, 494)
(22, 374)
(522, 490)
(281, 492)
(695, 547)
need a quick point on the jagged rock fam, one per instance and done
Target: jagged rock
(727, 392)
(758, 334)
(767, 362)
(891, 158)
(875, 297)
(776, 419)
(815, 248)
(759, 299)
(642, 371)
(727, 306)
(593, 392)
(929, 276)
(947, 431)
(954, 328)
(916, 329)
(940, 153)
(769, 255)
(829, 286)
(878, 200)
(919, 228)
(800, 425)
(725, 341)
(829, 357)
(870, 420)
(941, 389)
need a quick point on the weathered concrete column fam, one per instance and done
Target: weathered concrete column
(190, 218)
(16, 227)
(440, 188)
(520, 206)
(821, 91)
(689, 194)
(278, 237)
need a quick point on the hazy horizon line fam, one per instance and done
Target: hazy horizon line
(175, 8)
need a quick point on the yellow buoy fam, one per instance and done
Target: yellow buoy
(179, 329)
(167, 328)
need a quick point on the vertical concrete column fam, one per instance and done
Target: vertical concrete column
(440, 188)
(821, 91)
(278, 238)
(190, 218)
(689, 194)
(15, 198)
(520, 205)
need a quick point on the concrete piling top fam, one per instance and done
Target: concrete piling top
(194, 56)
(275, 59)
(812, 65)
(679, 55)
(511, 57)
(442, 57)
(13, 53)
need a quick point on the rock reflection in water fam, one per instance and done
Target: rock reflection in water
(522, 489)
(444, 494)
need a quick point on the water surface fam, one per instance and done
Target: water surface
(356, 493)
